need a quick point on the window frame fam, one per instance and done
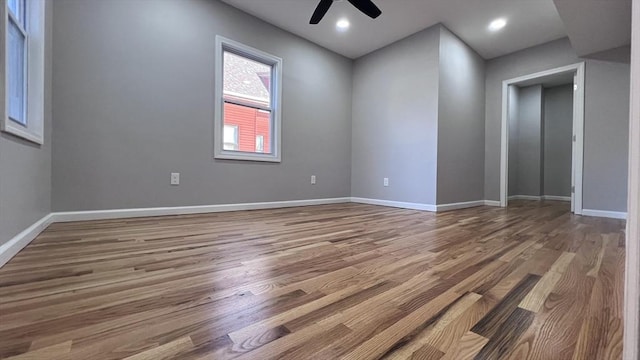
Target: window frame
(34, 28)
(223, 44)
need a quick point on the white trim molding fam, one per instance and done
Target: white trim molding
(632, 268)
(33, 129)
(556, 198)
(525, 197)
(604, 214)
(460, 205)
(425, 207)
(227, 45)
(495, 203)
(578, 131)
(186, 210)
(539, 198)
(9, 249)
(396, 204)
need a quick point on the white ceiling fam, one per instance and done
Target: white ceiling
(596, 25)
(530, 22)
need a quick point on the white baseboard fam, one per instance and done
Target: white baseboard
(525, 197)
(396, 204)
(538, 198)
(460, 205)
(9, 249)
(556, 198)
(186, 210)
(605, 214)
(492, 203)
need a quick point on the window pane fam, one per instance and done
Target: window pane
(259, 143)
(249, 124)
(230, 137)
(17, 8)
(246, 80)
(13, 6)
(16, 72)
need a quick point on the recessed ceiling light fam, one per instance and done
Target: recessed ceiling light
(497, 24)
(343, 24)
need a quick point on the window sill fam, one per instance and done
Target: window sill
(226, 155)
(19, 131)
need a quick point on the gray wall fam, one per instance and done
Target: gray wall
(121, 128)
(133, 85)
(395, 120)
(512, 115)
(529, 139)
(606, 136)
(460, 122)
(558, 130)
(25, 168)
(606, 110)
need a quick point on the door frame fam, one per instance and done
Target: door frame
(578, 131)
(632, 268)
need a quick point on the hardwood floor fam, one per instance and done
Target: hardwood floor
(343, 281)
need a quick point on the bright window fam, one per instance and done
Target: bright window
(230, 137)
(248, 103)
(23, 64)
(259, 143)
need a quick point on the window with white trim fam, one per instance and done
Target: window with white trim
(22, 37)
(247, 90)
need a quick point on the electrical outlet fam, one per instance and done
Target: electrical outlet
(175, 178)
(313, 179)
(385, 181)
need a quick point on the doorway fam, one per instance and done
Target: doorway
(532, 140)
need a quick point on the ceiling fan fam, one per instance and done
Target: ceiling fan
(366, 6)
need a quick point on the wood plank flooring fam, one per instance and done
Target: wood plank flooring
(344, 281)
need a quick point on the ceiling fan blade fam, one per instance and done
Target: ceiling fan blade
(367, 7)
(321, 10)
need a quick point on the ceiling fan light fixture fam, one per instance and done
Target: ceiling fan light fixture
(365, 6)
(497, 24)
(343, 25)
